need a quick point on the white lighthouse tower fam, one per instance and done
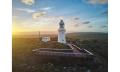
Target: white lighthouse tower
(61, 33)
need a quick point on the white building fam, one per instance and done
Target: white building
(45, 39)
(61, 33)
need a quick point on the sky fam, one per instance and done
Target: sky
(45, 15)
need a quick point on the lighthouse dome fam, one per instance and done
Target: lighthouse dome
(61, 24)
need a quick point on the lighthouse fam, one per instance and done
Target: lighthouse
(61, 32)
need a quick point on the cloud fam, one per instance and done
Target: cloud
(76, 18)
(104, 26)
(76, 22)
(86, 22)
(38, 14)
(76, 25)
(47, 8)
(97, 1)
(105, 12)
(25, 10)
(28, 2)
(90, 26)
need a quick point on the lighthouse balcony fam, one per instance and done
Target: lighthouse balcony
(61, 29)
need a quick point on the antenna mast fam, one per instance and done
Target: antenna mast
(39, 35)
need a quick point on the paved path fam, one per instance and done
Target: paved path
(74, 49)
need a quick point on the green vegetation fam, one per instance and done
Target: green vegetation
(97, 43)
(25, 61)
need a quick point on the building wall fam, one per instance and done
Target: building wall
(61, 36)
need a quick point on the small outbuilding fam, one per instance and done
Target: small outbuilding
(45, 39)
